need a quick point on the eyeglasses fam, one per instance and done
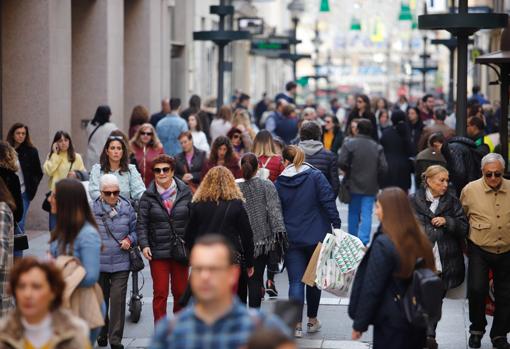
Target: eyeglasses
(236, 136)
(161, 170)
(329, 122)
(110, 193)
(146, 133)
(118, 138)
(493, 174)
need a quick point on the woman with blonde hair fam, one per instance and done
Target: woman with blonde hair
(146, 146)
(309, 211)
(265, 150)
(241, 121)
(384, 274)
(446, 225)
(218, 207)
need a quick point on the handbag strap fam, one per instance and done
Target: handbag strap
(108, 229)
(224, 217)
(90, 137)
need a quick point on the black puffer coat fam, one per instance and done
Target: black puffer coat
(323, 160)
(449, 238)
(463, 159)
(154, 226)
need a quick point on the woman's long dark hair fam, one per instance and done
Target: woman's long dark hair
(6, 196)
(10, 135)
(400, 224)
(71, 154)
(102, 115)
(73, 211)
(249, 165)
(368, 107)
(218, 142)
(104, 160)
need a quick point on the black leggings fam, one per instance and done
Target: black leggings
(256, 282)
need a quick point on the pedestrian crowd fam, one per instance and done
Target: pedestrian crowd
(217, 201)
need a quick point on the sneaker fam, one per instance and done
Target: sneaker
(475, 341)
(102, 341)
(500, 343)
(271, 289)
(298, 332)
(312, 328)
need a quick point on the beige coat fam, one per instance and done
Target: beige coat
(69, 332)
(84, 302)
(488, 214)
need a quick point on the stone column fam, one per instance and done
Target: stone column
(145, 23)
(36, 76)
(36, 67)
(97, 62)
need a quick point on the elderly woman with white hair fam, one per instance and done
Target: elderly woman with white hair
(116, 219)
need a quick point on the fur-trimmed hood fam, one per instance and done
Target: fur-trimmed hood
(69, 331)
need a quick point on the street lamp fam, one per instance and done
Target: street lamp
(296, 8)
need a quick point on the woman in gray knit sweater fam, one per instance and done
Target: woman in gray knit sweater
(266, 220)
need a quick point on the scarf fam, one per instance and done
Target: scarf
(434, 201)
(168, 196)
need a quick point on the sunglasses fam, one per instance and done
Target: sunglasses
(118, 138)
(236, 136)
(110, 193)
(493, 174)
(161, 170)
(146, 133)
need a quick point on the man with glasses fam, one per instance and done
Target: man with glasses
(487, 205)
(216, 318)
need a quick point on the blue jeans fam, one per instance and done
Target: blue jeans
(296, 261)
(360, 216)
(26, 205)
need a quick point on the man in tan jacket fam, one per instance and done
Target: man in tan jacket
(487, 205)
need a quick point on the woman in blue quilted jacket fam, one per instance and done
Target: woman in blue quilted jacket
(116, 220)
(309, 210)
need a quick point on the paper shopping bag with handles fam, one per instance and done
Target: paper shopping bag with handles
(311, 270)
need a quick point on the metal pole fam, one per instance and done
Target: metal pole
(503, 128)
(295, 22)
(450, 80)
(221, 70)
(462, 67)
(424, 72)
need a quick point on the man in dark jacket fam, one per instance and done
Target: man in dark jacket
(363, 161)
(317, 156)
(165, 109)
(190, 162)
(464, 155)
(430, 156)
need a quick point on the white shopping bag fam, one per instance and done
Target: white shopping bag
(338, 260)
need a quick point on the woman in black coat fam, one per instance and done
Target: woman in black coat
(445, 224)
(362, 111)
(415, 127)
(385, 273)
(162, 217)
(19, 138)
(8, 169)
(218, 208)
(397, 149)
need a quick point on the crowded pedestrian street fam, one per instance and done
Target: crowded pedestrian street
(254, 174)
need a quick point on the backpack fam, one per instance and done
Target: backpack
(263, 172)
(423, 298)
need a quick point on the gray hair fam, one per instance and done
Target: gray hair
(493, 157)
(108, 179)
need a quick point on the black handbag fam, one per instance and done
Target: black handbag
(179, 252)
(20, 242)
(135, 257)
(46, 204)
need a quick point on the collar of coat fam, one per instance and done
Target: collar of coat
(421, 202)
(64, 329)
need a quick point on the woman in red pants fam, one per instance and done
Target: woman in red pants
(162, 217)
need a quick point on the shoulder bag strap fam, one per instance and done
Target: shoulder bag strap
(90, 137)
(108, 229)
(70, 167)
(267, 162)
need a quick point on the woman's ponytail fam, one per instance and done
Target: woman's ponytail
(249, 165)
(294, 154)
